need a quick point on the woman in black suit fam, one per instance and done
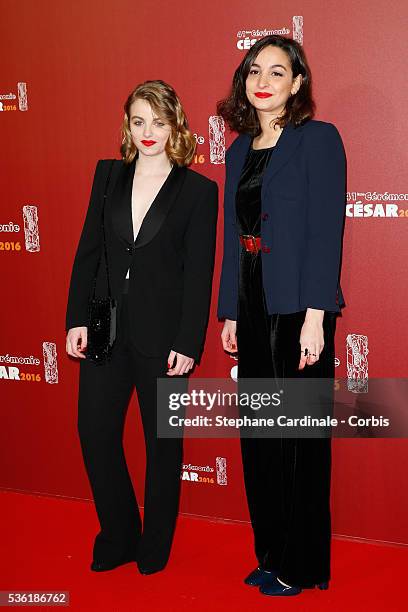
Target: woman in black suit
(280, 293)
(160, 225)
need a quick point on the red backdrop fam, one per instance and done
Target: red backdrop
(67, 68)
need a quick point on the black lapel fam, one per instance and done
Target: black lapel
(121, 203)
(161, 205)
(121, 207)
(285, 147)
(238, 160)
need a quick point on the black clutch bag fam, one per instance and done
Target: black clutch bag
(101, 310)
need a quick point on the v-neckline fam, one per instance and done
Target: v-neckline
(152, 203)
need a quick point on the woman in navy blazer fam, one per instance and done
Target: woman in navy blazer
(280, 294)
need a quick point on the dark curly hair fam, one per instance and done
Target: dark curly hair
(236, 109)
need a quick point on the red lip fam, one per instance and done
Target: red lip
(148, 143)
(263, 94)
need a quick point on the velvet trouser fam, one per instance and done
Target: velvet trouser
(287, 480)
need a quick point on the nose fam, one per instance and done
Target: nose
(147, 130)
(263, 80)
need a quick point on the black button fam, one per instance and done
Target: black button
(265, 217)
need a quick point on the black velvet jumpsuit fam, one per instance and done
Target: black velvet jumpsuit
(287, 480)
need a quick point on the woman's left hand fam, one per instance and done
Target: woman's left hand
(311, 337)
(184, 364)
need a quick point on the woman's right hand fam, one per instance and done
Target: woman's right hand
(77, 339)
(229, 336)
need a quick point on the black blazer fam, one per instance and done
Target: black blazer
(303, 210)
(171, 261)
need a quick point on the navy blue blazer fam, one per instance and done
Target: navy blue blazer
(303, 210)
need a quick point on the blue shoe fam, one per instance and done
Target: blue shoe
(274, 587)
(259, 576)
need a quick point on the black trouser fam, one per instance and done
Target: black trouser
(104, 394)
(287, 480)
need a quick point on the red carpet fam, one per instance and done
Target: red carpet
(47, 545)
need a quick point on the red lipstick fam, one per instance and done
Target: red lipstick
(148, 143)
(263, 94)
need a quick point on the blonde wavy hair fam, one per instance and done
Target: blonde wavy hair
(164, 101)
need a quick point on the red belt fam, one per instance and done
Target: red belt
(250, 243)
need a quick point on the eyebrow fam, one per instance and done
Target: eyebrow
(273, 66)
(137, 117)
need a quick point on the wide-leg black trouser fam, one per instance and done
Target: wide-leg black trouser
(104, 393)
(287, 480)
